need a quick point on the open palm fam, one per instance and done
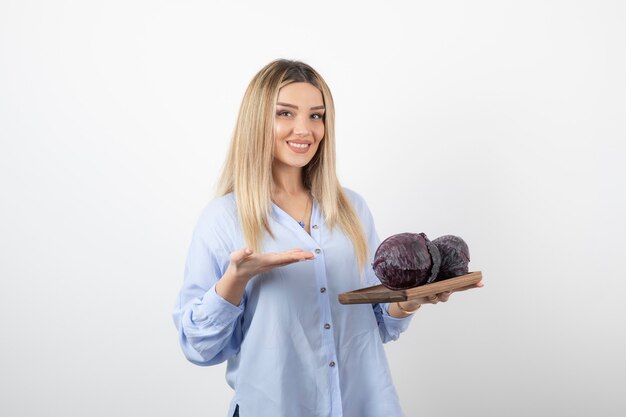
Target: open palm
(245, 264)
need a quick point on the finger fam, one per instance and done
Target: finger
(301, 254)
(280, 259)
(433, 299)
(444, 296)
(469, 287)
(297, 250)
(277, 263)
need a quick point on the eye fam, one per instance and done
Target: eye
(283, 113)
(317, 116)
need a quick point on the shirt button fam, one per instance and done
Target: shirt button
(331, 364)
(327, 326)
(314, 226)
(323, 289)
(318, 251)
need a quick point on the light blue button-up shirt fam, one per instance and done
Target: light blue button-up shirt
(292, 348)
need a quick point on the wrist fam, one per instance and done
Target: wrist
(236, 277)
(408, 308)
(230, 287)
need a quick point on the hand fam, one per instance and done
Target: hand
(244, 264)
(436, 298)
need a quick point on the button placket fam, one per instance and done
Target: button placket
(326, 317)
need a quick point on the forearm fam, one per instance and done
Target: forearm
(209, 328)
(230, 287)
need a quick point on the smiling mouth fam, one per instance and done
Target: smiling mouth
(299, 147)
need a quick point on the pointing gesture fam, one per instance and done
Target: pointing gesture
(245, 264)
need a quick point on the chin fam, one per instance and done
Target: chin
(299, 164)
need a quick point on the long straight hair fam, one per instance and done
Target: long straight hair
(247, 170)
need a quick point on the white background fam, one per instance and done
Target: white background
(499, 121)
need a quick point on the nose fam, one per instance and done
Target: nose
(301, 128)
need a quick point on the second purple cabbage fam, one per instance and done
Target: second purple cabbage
(454, 256)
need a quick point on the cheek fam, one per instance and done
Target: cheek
(281, 130)
(319, 131)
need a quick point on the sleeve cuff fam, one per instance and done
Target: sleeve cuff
(215, 309)
(397, 323)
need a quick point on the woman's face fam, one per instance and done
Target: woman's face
(298, 125)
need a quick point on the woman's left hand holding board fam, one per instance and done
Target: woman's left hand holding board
(244, 264)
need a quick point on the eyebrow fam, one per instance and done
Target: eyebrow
(296, 107)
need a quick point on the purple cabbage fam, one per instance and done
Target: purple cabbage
(454, 256)
(406, 260)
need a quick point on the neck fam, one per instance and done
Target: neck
(288, 180)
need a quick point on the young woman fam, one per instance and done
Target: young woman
(271, 253)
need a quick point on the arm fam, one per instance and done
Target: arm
(391, 321)
(392, 318)
(209, 326)
(209, 311)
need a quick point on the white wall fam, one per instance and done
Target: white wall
(499, 121)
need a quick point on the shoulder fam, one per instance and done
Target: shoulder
(220, 209)
(359, 204)
(218, 220)
(356, 199)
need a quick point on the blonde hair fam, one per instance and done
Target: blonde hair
(248, 167)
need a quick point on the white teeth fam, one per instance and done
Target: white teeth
(298, 145)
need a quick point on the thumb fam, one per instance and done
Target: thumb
(240, 255)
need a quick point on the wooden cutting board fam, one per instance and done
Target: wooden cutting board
(382, 294)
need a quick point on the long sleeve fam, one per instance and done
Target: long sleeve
(389, 327)
(209, 327)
